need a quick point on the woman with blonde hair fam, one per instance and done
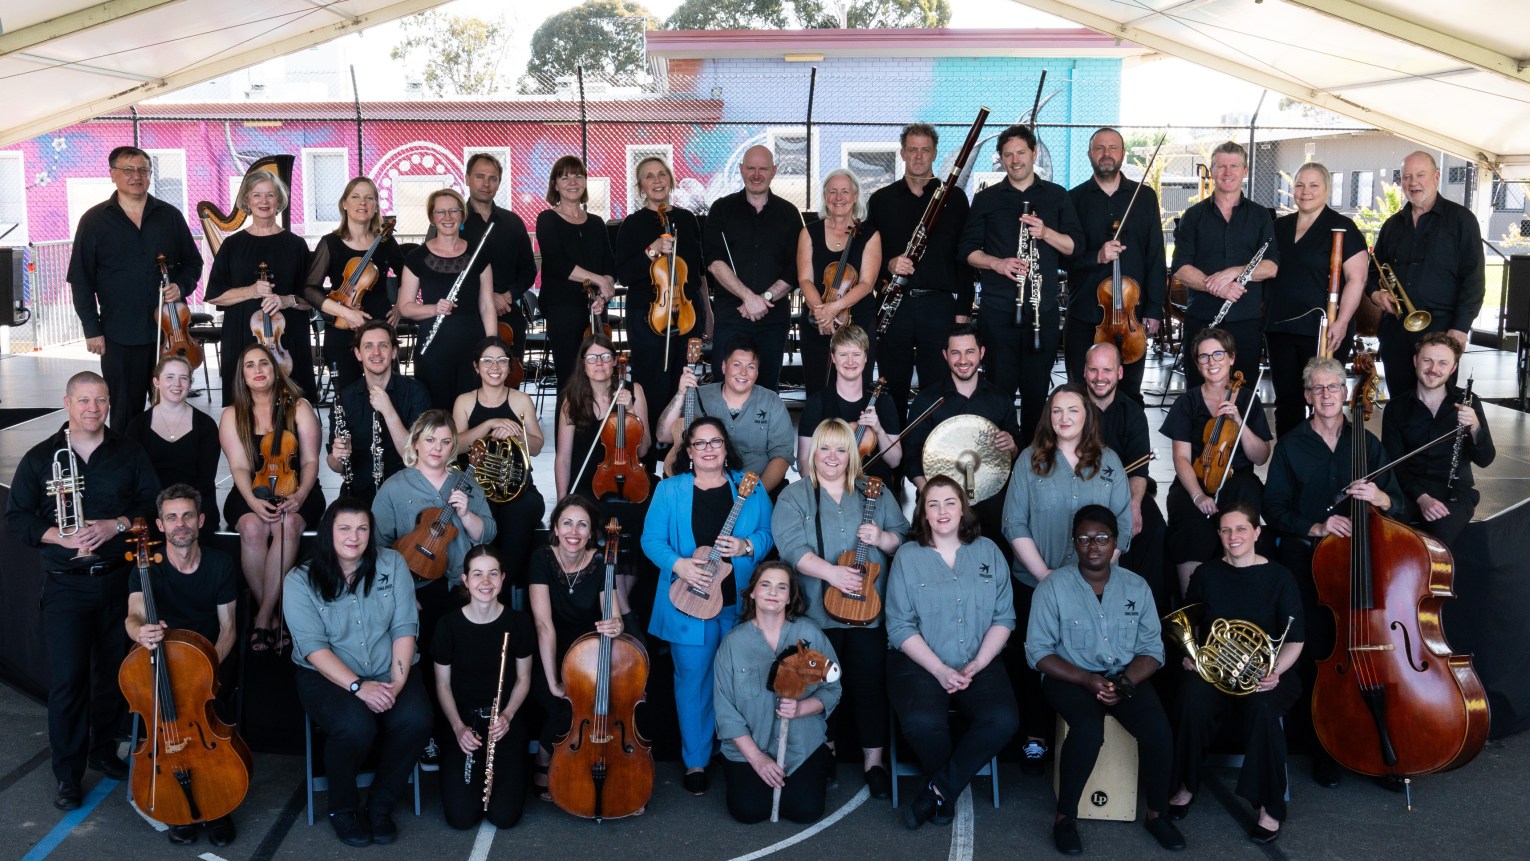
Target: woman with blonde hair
(181, 440)
(820, 246)
(360, 225)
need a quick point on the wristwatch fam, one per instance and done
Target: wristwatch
(356, 685)
(652, 254)
(121, 527)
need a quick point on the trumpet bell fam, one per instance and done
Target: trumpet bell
(1417, 321)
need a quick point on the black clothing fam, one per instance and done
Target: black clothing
(564, 302)
(1142, 259)
(1439, 261)
(827, 404)
(472, 651)
(802, 798)
(409, 400)
(815, 346)
(986, 401)
(1211, 243)
(1192, 536)
(860, 721)
(1124, 429)
(350, 729)
(1289, 355)
(709, 513)
(1305, 477)
(1141, 715)
(923, 710)
(1189, 414)
(190, 600)
(894, 211)
(916, 338)
(328, 265)
(1010, 363)
(769, 335)
(236, 506)
(575, 598)
(192, 459)
(637, 232)
(1265, 594)
(1302, 281)
(512, 260)
(113, 263)
(446, 368)
(237, 265)
(1407, 424)
(521, 516)
(1078, 337)
(128, 370)
(760, 246)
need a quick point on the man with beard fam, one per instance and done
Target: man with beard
(381, 402)
(509, 250)
(194, 590)
(1429, 411)
(1101, 202)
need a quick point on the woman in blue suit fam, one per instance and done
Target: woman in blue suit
(688, 511)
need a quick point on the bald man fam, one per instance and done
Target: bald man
(1434, 246)
(751, 253)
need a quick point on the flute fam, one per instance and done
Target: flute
(451, 296)
(488, 764)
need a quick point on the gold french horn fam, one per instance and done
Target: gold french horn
(501, 467)
(1236, 654)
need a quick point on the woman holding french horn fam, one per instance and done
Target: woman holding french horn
(1241, 585)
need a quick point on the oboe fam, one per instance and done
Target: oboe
(1243, 278)
(341, 430)
(488, 763)
(1455, 452)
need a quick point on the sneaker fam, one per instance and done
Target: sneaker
(921, 809)
(945, 811)
(350, 828)
(430, 759)
(1035, 757)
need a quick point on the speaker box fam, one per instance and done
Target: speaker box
(10, 286)
(1516, 316)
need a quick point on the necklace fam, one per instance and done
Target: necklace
(571, 580)
(172, 434)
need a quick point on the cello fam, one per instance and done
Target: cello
(620, 473)
(1392, 698)
(603, 767)
(190, 766)
(269, 329)
(175, 323)
(1118, 296)
(671, 312)
(360, 274)
(1220, 440)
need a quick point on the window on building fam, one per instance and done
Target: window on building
(1363, 188)
(409, 196)
(502, 197)
(1508, 196)
(874, 164)
(789, 144)
(599, 188)
(1458, 174)
(325, 173)
(1336, 193)
(635, 154)
(168, 181)
(13, 199)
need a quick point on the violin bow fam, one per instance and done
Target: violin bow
(1253, 396)
(911, 425)
(1121, 225)
(602, 423)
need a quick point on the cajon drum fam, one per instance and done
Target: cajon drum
(1111, 791)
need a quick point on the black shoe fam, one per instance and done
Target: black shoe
(1035, 758)
(1326, 772)
(110, 765)
(921, 809)
(878, 782)
(1177, 812)
(68, 795)
(1390, 782)
(1065, 837)
(945, 811)
(1165, 833)
(831, 779)
(695, 782)
(384, 830)
(1263, 836)
(351, 829)
(183, 835)
(220, 832)
(430, 758)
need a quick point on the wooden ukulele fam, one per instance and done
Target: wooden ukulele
(425, 546)
(865, 606)
(706, 603)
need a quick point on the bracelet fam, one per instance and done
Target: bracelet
(1196, 498)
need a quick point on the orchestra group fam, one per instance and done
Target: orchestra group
(1026, 585)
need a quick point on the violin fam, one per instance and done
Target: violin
(1118, 296)
(619, 472)
(1220, 440)
(360, 274)
(424, 547)
(277, 477)
(688, 412)
(840, 277)
(863, 607)
(175, 323)
(603, 767)
(865, 440)
(668, 275)
(269, 329)
(598, 325)
(189, 766)
(1392, 698)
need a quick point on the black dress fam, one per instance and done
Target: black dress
(446, 368)
(575, 600)
(235, 506)
(192, 459)
(637, 232)
(326, 272)
(237, 265)
(1192, 536)
(827, 404)
(815, 347)
(563, 302)
(521, 516)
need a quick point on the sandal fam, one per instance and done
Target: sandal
(260, 640)
(282, 640)
(539, 780)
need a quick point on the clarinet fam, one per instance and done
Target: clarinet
(488, 763)
(341, 430)
(377, 451)
(1455, 452)
(1243, 279)
(1027, 251)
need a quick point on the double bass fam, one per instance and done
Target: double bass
(190, 766)
(603, 767)
(620, 473)
(175, 323)
(1392, 699)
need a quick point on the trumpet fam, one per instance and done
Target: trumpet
(1236, 654)
(67, 487)
(1414, 320)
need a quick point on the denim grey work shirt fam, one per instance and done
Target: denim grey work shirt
(951, 608)
(359, 627)
(1041, 507)
(805, 512)
(746, 705)
(1096, 633)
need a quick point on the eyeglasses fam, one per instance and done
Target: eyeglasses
(1097, 540)
(446, 213)
(1331, 388)
(599, 359)
(708, 444)
(134, 171)
(1208, 358)
(501, 361)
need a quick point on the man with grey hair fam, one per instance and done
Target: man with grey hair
(1213, 243)
(1434, 246)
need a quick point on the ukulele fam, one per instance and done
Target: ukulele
(864, 607)
(688, 414)
(424, 547)
(692, 600)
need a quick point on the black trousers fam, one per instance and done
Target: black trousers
(861, 719)
(1448, 528)
(1078, 337)
(128, 370)
(517, 522)
(1296, 554)
(802, 797)
(916, 338)
(923, 706)
(565, 332)
(82, 631)
(351, 729)
(1247, 334)
(1036, 718)
(1141, 715)
(1146, 560)
(1011, 364)
(1289, 354)
(815, 349)
(463, 802)
(1396, 351)
(768, 334)
(446, 370)
(647, 353)
(1262, 779)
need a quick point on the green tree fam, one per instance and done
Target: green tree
(1370, 219)
(869, 14)
(807, 14)
(462, 55)
(603, 36)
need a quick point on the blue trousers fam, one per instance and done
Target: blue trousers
(693, 689)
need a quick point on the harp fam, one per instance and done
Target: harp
(216, 225)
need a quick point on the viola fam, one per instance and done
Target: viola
(603, 767)
(706, 603)
(1220, 440)
(516, 374)
(189, 766)
(863, 607)
(1118, 296)
(269, 329)
(620, 473)
(360, 274)
(865, 440)
(1392, 698)
(671, 309)
(598, 325)
(688, 412)
(840, 277)
(277, 478)
(175, 324)
(424, 547)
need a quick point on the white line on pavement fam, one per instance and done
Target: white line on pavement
(963, 831)
(846, 810)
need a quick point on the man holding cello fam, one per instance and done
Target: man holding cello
(194, 589)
